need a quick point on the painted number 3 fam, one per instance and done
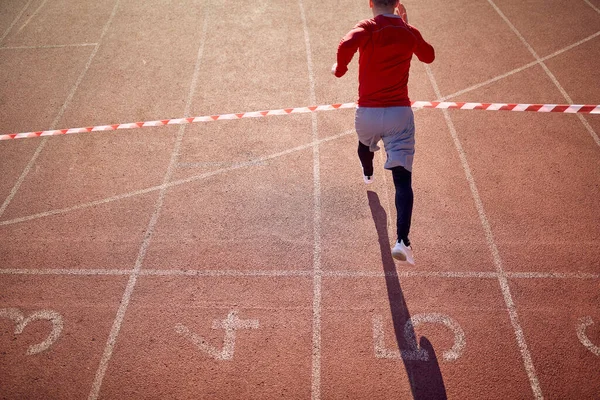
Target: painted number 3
(21, 322)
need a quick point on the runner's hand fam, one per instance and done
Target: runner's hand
(401, 11)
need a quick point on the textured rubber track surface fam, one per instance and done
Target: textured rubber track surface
(247, 258)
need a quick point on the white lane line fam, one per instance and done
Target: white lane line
(228, 273)
(178, 182)
(307, 273)
(548, 72)
(517, 70)
(116, 327)
(49, 271)
(48, 46)
(570, 47)
(512, 311)
(589, 3)
(317, 278)
(31, 16)
(24, 174)
(489, 81)
(411, 274)
(552, 275)
(19, 15)
(40, 147)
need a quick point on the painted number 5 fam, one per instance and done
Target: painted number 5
(413, 353)
(584, 323)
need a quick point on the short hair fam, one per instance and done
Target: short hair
(384, 3)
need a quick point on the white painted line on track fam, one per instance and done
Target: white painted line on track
(489, 81)
(517, 70)
(62, 110)
(229, 273)
(22, 177)
(302, 273)
(48, 46)
(589, 3)
(19, 15)
(570, 47)
(170, 184)
(37, 10)
(116, 327)
(552, 275)
(527, 361)
(409, 274)
(49, 271)
(584, 121)
(317, 278)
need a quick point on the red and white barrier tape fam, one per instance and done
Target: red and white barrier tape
(556, 108)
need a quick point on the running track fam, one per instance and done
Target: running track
(246, 259)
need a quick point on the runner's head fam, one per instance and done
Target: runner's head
(384, 3)
(384, 6)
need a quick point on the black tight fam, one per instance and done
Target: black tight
(404, 202)
(366, 159)
(404, 193)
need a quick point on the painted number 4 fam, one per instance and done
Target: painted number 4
(231, 324)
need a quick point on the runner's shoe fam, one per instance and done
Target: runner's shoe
(401, 252)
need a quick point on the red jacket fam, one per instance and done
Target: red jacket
(386, 47)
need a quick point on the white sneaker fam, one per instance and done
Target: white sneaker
(401, 252)
(367, 178)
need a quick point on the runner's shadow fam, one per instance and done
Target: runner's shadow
(425, 377)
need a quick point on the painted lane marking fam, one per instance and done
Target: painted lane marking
(172, 271)
(174, 183)
(17, 18)
(37, 10)
(502, 278)
(48, 46)
(589, 3)
(519, 69)
(317, 271)
(118, 321)
(585, 123)
(231, 324)
(581, 327)
(413, 353)
(44, 315)
(61, 112)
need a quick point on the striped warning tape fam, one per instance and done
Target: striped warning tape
(557, 108)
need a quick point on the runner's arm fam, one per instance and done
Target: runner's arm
(346, 49)
(423, 50)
